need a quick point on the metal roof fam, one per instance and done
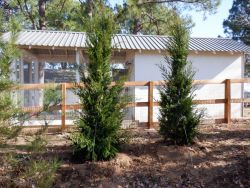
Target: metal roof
(66, 39)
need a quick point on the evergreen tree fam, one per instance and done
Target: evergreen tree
(157, 16)
(8, 110)
(101, 103)
(178, 120)
(150, 19)
(237, 24)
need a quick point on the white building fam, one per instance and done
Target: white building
(212, 59)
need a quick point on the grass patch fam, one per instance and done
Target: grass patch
(8, 132)
(41, 173)
(38, 144)
(11, 159)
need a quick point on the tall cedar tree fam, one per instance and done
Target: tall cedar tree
(101, 103)
(178, 120)
(8, 111)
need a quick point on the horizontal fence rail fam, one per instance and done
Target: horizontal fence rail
(227, 101)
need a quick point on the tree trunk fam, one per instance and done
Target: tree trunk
(137, 26)
(41, 11)
(89, 7)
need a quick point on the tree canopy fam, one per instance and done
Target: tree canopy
(200, 5)
(157, 17)
(237, 24)
(146, 19)
(44, 14)
(134, 16)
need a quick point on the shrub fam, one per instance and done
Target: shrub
(101, 103)
(41, 173)
(178, 119)
(38, 144)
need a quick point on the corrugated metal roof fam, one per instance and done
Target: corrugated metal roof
(68, 39)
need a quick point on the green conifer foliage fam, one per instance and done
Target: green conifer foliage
(8, 110)
(178, 119)
(101, 103)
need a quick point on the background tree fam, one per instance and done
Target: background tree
(134, 16)
(101, 103)
(237, 24)
(178, 120)
(200, 5)
(44, 14)
(66, 17)
(147, 19)
(156, 17)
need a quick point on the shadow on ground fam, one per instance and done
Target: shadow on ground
(220, 157)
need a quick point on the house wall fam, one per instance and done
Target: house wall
(208, 66)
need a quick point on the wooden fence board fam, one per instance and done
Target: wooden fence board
(150, 103)
(246, 100)
(241, 80)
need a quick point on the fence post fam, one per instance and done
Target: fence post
(227, 114)
(150, 104)
(63, 106)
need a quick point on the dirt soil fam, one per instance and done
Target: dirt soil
(220, 157)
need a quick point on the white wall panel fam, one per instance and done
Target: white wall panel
(207, 67)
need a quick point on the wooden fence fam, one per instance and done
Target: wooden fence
(227, 101)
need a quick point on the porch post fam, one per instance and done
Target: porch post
(30, 72)
(21, 81)
(31, 101)
(21, 72)
(13, 71)
(78, 64)
(39, 78)
(36, 93)
(36, 71)
(13, 78)
(41, 81)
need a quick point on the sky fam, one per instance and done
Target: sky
(211, 26)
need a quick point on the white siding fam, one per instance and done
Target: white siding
(207, 67)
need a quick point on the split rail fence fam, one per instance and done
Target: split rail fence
(227, 101)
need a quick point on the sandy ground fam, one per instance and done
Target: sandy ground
(220, 157)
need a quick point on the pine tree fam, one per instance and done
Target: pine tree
(101, 103)
(8, 110)
(178, 120)
(237, 25)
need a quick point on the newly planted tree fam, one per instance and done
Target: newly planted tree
(101, 103)
(178, 119)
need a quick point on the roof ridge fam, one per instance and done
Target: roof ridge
(127, 34)
(221, 38)
(51, 31)
(33, 30)
(125, 41)
(142, 35)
